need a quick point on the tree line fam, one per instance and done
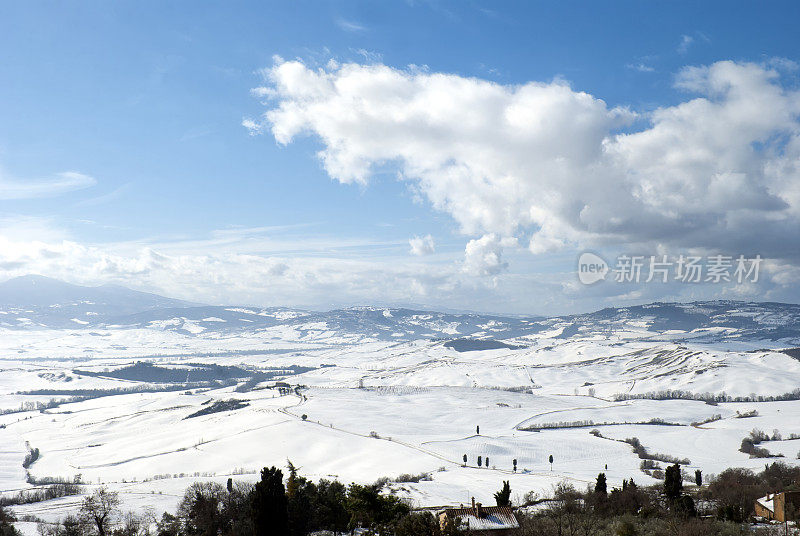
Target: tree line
(291, 505)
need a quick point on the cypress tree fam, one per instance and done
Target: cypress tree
(268, 504)
(673, 483)
(503, 497)
(601, 486)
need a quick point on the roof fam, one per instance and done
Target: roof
(493, 518)
(767, 502)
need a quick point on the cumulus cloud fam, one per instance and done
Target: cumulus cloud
(558, 167)
(422, 245)
(484, 256)
(60, 183)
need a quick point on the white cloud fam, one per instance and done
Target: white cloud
(200, 270)
(641, 67)
(686, 42)
(422, 245)
(484, 256)
(209, 276)
(252, 126)
(60, 183)
(350, 25)
(549, 164)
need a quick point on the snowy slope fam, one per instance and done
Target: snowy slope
(384, 392)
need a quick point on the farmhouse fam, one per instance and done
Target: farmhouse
(784, 506)
(486, 520)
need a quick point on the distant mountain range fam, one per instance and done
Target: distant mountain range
(36, 302)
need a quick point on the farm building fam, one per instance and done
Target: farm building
(784, 506)
(486, 520)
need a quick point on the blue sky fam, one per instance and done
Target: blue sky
(123, 155)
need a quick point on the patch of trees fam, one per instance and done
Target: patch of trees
(31, 457)
(649, 459)
(709, 398)
(587, 423)
(289, 505)
(144, 371)
(269, 507)
(80, 395)
(644, 454)
(472, 345)
(41, 406)
(219, 406)
(46, 493)
(756, 437)
(275, 505)
(734, 491)
(668, 509)
(409, 478)
(714, 418)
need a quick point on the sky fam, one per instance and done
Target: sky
(446, 155)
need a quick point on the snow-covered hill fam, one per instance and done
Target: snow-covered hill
(138, 395)
(36, 302)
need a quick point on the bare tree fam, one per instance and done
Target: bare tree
(100, 509)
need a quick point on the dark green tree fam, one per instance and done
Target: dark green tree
(301, 499)
(487, 461)
(685, 506)
(168, 526)
(7, 524)
(626, 501)
(698, 477)
(465, 459)
(330, 512)
(601, 486)
(514, 462)
(268, 505)
(480, 461)
(418, 524)
(673, 482)
(292, 483)
(503, 497)
(371, 510)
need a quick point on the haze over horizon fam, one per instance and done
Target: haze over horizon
(440, 155)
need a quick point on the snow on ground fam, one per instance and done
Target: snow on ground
(378, 408)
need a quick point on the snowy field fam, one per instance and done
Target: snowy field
(371, 407)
